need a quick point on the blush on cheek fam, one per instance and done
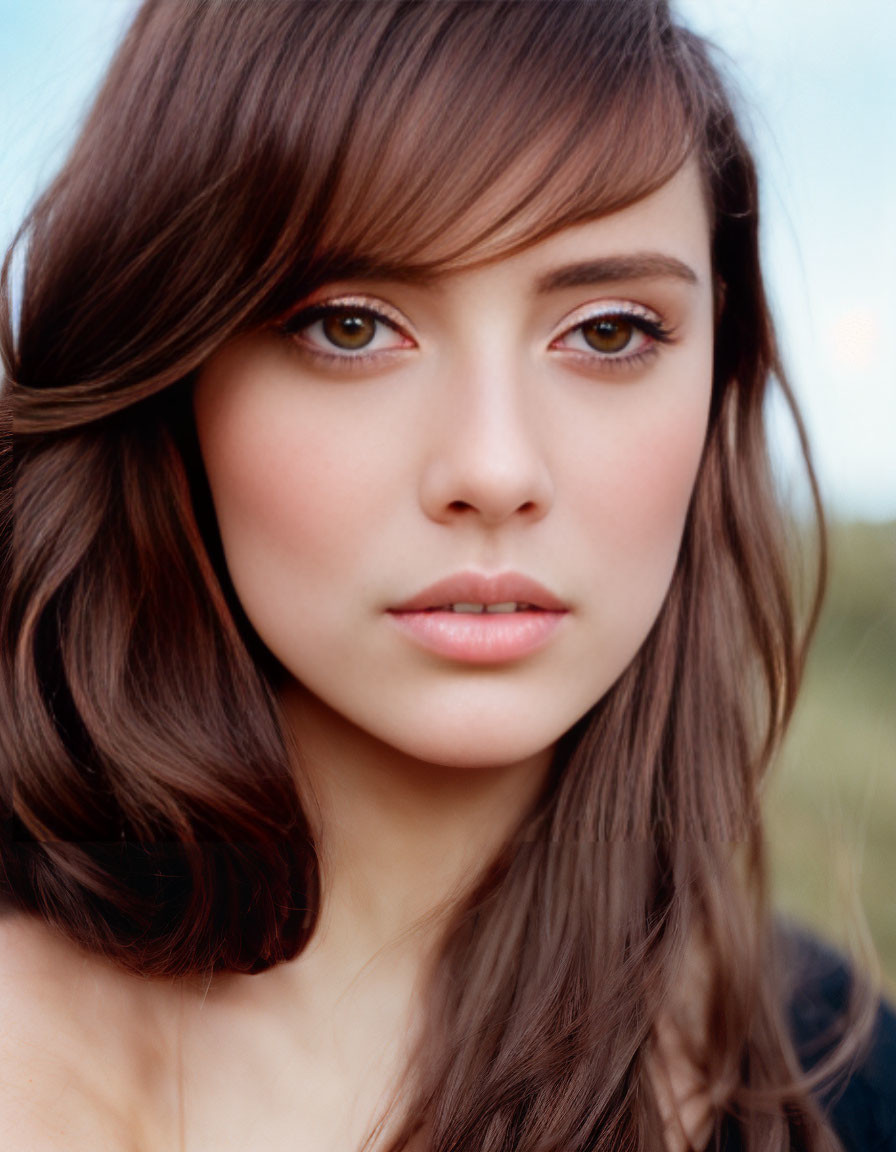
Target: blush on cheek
(274, 485)
(278, 518)
(672, 441)
(653, 494)
(664, 481)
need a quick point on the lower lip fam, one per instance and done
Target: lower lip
(480, 638)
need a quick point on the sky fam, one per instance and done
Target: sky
(818, 87)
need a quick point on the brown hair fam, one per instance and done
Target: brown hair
(238, 155)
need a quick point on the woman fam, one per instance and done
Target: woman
(395, 605)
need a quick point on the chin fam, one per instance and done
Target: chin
(479, 742)
(479, 753)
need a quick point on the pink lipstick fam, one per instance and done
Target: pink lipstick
(478, 619)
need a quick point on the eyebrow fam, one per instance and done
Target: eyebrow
(639, 266)
(581, 274)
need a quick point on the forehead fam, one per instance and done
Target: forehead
(663, 235)
(670, 224)
(437, 197)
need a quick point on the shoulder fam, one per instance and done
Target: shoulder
(860, 1100)
(65, 1071)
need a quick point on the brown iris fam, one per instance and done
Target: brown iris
(608, 333)
(349, 330)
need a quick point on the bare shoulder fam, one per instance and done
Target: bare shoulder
(27, 1128)
(67, 1058)
(31, 999)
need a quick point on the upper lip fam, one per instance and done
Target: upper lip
(478, 588)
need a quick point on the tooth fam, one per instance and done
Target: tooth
(467, 608)
(508, 606)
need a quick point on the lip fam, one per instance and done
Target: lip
(478, 588)
(481, 638)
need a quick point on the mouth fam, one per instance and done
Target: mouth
(476, 619)
(479, 609)
(473, 593)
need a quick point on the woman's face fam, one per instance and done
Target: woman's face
(528, 431)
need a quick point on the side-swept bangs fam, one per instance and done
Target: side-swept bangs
(241, 154)
(482, 128)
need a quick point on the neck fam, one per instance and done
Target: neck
(401, 840)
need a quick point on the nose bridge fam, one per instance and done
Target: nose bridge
(487, 453)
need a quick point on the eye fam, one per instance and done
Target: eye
(610, 334)
(346, 330)
(623, 333)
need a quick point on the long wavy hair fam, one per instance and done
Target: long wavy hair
(238, 155)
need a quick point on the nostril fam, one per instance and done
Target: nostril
(526, 507)
(459, 489)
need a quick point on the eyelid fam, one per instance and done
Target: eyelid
(313, 309)
(596, 309)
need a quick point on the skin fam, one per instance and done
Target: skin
(475, 443)
(484, 434)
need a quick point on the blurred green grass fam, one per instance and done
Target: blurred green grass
(831, 801)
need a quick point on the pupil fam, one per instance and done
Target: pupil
(608, 334)
(349, 330)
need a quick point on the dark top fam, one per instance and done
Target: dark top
(861, 1104)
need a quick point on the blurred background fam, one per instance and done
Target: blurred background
(818, 88)
(818, 92)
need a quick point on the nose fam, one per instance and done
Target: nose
(487, 459)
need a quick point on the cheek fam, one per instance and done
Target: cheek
(658, 481)
(267, 500)
(286, 491)
(634, 495)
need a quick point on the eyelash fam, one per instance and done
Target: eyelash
(653, 328)
(344, 360)
(645, 324)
